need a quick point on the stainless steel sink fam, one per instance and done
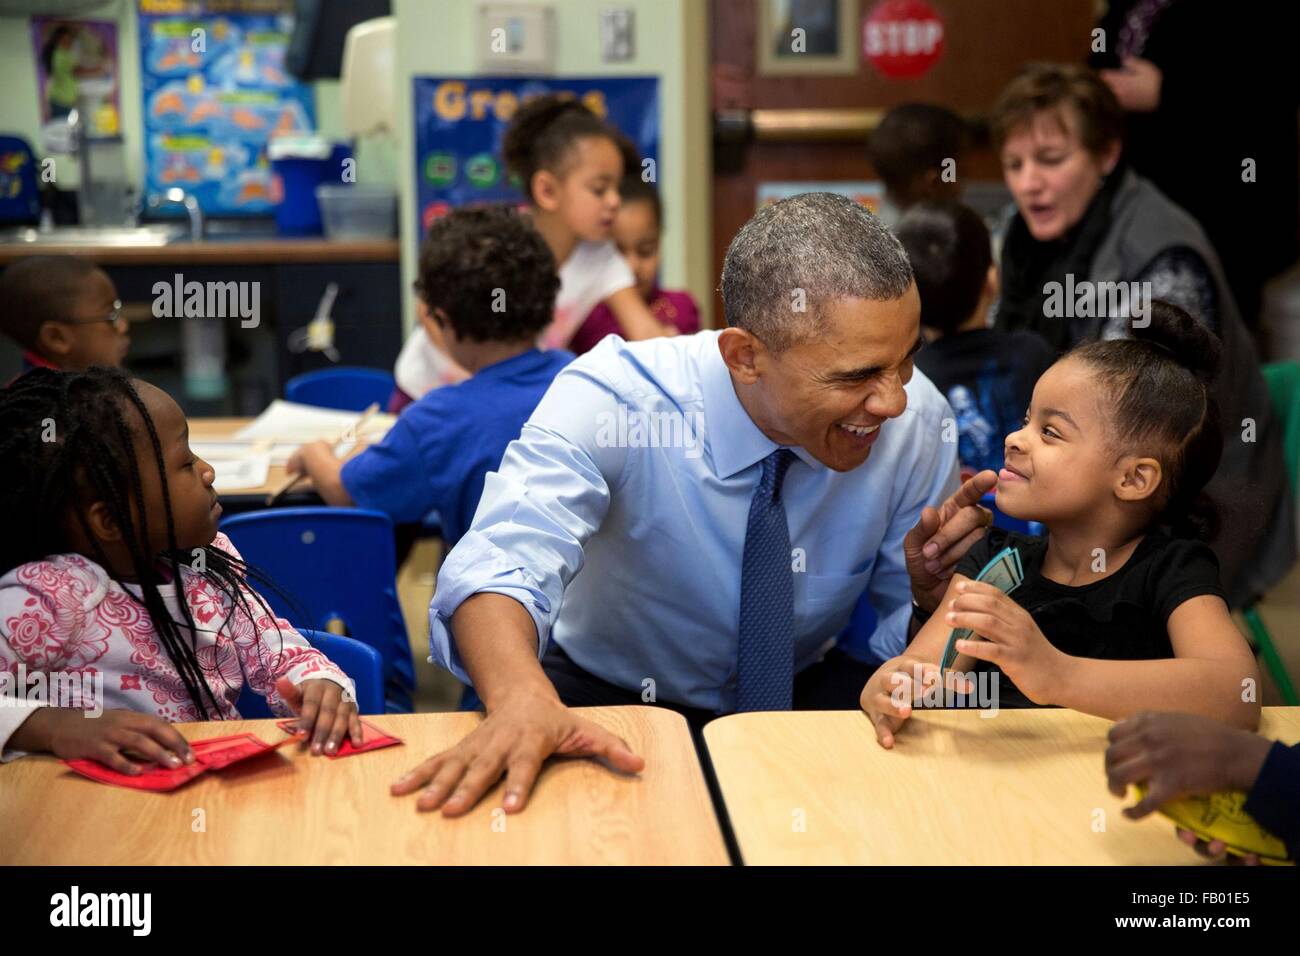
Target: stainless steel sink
(155, 235)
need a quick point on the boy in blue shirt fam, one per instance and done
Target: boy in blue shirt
(487, 285)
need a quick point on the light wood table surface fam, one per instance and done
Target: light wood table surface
(1024, 787)
(291, 808)
(216, 429)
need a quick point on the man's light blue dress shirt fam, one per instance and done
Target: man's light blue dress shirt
(618, 518)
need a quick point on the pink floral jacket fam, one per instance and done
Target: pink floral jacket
(65, 618)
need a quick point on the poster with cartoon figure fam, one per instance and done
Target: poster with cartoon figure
(77, 59)
(215, 91)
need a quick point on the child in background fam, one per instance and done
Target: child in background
(111, 564)
(637, 229)
(63, 312)
(987, 375)
(1121, 608)
(908, 150)
(487, 283)
(569, 162)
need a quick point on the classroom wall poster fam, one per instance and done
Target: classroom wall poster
(213, 99)
(460, 122)
(77, 58)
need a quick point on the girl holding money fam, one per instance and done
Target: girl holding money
(1120, 608)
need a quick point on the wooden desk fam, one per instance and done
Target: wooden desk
(1023, 787)
(294, 809)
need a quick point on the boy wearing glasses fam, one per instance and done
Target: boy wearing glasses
(64, 313)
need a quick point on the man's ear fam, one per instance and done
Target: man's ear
(101, 523)
(1138, 480)
(743, 354)
(53, 340)
(546, 190)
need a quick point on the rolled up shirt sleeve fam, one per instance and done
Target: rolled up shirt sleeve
(538, 510)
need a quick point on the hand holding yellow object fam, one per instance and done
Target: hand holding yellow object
(1222, 816)
(1198, 772)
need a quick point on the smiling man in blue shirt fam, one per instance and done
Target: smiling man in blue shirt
(690, 521)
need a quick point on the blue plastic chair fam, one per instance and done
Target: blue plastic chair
(346, 387)
(339, 567)
(359, 661)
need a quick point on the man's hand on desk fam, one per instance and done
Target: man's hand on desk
(515, 739)
(942, 537)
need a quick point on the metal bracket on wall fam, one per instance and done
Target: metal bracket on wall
(735, 129)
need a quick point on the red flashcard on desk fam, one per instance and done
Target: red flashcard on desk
(372, 738)
(214, 753)
(153, 777)
(217, 753)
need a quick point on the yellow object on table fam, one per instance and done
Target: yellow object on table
(1223, 816)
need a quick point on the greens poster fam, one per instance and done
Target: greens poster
(460, 122)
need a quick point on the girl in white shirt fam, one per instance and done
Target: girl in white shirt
(569, 162)
(116, 586)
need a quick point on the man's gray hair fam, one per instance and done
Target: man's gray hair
(796, 255)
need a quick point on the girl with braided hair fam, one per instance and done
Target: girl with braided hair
(111, 565)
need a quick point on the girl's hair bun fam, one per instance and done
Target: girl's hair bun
(1191, 344)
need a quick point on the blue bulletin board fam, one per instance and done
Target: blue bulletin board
(209, 112)
(460, 122)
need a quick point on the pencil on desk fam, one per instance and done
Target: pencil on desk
(292, 480)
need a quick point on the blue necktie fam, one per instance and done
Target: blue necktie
(765, 669)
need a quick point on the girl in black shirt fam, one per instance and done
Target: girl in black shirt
(1121, 608)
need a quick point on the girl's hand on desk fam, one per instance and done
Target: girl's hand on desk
(895, 687)
(125, 740)
(323, 714)
(1012, 640)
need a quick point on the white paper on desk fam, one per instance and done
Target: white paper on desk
(224, 449)
(291, 422)
(233, 474)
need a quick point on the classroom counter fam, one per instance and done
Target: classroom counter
(217, 251)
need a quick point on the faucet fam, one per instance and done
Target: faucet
(178, 195)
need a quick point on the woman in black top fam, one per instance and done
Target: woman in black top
(1120, 608)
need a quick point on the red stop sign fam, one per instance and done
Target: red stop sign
(902, 38)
